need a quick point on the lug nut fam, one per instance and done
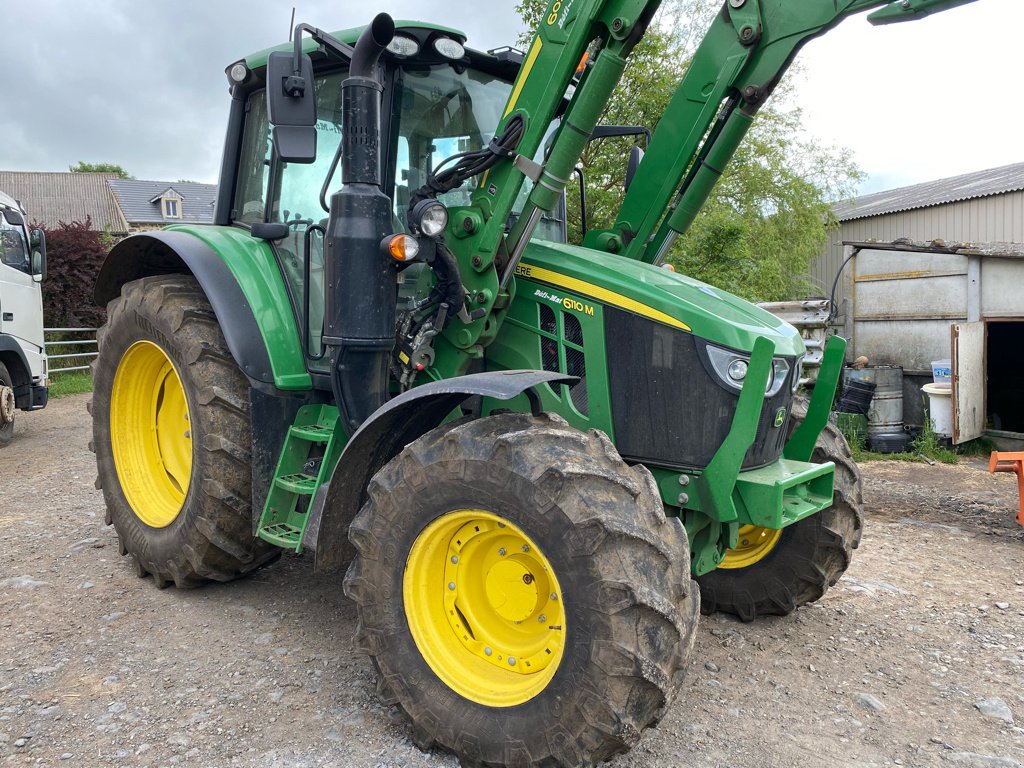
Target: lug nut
(451, 585)
(511, 661)
(501, 551)
(455, 559)
(554, 595)
(527, 578)
(542, 618)
(526, 547)
(488, 651)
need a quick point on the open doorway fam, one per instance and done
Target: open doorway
(1005, 390)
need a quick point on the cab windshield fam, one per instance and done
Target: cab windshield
(436, 112)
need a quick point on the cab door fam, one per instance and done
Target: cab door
(21, 300)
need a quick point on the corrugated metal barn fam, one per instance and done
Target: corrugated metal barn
(936, 271)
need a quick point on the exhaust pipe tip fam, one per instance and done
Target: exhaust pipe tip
(382, 28)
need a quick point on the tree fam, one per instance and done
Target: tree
(84, 167)
(74, 255)
(767, 217)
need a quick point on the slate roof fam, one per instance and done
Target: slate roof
(993, 181)
(52, 197)
(140, 200)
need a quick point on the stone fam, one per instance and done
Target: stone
(994, 707)
(22, 582)
(868, 701)
(1002, 606)
(710, 666)
(66, 756)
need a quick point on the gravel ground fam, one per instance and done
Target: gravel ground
(915, 658)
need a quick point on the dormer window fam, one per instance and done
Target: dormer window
(170, 203)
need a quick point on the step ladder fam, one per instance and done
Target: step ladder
(311, 449)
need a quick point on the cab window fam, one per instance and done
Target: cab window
(13, 248)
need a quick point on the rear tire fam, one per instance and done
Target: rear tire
(207, 534)
(7, 430)
(808, 557)
(595, 533)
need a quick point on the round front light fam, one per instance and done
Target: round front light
(738, 370)
(450, 49)
(238, 72)
(430, 217)
(403, 46)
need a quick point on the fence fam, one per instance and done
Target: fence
(62, 340)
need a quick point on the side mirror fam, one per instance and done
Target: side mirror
(291, 107)
(38, 255)
(635, 156)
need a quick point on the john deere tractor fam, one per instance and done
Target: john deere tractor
(537, 460)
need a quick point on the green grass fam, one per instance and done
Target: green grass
(926, 447)
(70, 383)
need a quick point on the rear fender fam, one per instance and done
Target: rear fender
(241, 279)
(382, 437)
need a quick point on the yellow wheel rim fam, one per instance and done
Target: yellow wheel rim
(754, 543)
(484, 608)
(150, 434)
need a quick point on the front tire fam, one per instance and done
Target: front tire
(521, 592)
(775, 572)
(7, 406)
(171, 434)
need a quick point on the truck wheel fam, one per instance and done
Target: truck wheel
(773, 572)
(7, 409)
(171, 435)
(521, 592)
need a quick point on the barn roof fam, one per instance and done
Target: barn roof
(993, 181)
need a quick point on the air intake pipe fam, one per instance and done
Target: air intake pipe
(360, 282)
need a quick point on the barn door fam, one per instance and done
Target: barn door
(968, 343)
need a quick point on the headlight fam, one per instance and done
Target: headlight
(429, 217)
(403, 46)
(450, 49)
(731, 367)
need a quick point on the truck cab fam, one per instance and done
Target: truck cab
(23, 366)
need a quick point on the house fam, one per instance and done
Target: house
(933, 272)
(115, 205)
(154, 204)
(53, 197)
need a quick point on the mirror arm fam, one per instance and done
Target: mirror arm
(326, 41)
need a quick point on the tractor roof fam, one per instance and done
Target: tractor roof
(349, 36)
(6, 201)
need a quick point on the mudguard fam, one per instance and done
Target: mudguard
(12, 352)
(388, 430)
(239, 276)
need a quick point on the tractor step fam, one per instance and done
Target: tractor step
(311, 449)
(784, 492)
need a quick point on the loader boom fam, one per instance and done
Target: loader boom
(736, 67)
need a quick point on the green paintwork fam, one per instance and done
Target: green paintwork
(252, 263)
(775, 496)
(349, 36)
(285, 515)
(709, 312)
(800, 445)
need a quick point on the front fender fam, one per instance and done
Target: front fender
(382, 437)
(243, 283)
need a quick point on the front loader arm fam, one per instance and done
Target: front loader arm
(739, 62)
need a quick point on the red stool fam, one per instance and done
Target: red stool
(1011, 461)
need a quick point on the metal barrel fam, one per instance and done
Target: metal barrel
(885, 416)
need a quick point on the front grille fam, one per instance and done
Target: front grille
(667, 408)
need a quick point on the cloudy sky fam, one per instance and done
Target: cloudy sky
(141, 83)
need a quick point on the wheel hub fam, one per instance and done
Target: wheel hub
(150, 434)
(490, 620)
(754, 544)
(6, 405)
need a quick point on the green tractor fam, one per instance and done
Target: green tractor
(538, 461)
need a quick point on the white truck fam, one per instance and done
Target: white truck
(23, 368)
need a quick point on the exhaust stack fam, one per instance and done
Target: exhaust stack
(360, 282)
